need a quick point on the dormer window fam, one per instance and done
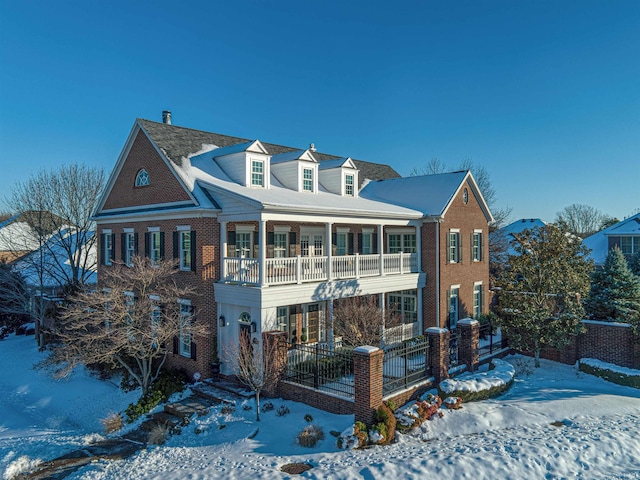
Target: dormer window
(307, 180)
(348, 185)
(142, 178)
(257, 173)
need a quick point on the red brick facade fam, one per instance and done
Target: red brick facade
(465, 219)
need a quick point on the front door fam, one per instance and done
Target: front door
(313, 329)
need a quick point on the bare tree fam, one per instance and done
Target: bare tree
(14, 299)
(131, 321)
(582, 220)
(361, 321)
(433, 167)
(259, 365)
(57, 205)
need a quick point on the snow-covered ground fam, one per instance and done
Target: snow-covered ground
(594, 432)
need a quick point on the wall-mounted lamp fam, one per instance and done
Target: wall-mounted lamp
(222, 321)
(254, 327)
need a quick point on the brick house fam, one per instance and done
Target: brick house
(271, 236)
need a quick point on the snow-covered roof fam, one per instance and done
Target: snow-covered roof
(429, 194)
(337, 163)
(598, 243)
(291, 156)
(56, 269)
(516, 227)
(201, 172)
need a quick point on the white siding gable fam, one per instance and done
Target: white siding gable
(239, 165)
(333, 176)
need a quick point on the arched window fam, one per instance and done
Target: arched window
(142, 178)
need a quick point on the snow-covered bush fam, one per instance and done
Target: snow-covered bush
(356, 436)
(414, 414)
(610, 372)
(481, 385)
(310, 435)
(453, 403)
(384, 430)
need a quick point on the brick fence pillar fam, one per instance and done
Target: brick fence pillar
(438, 352)
(274, 344)
(469, 340)
(367, 372)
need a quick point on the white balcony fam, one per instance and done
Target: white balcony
(298, 270)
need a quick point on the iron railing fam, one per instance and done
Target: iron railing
(454, 347)
(405, 365)
(321, 367)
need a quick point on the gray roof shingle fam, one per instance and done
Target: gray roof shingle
(178, 142)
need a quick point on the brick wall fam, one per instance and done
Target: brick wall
(163, 186)
(202, 280)
(315, 398)
(467, 218)
(609, 342)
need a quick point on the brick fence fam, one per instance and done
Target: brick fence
(368, 375)
(606, 341)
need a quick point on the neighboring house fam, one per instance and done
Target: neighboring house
(16, 239)
(508, 232)
(624, 234)
(271, 236)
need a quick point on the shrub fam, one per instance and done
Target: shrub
(167, 383)
(282, 410)
(385, 425)
(617, 374)
(308, 418)
(267, 407)
(453, 403)
(414, 415)
(246, 407)
(112, 423)
(227, 408)
(310, 435)
(158, 434)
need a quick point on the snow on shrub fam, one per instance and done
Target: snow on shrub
(482, 385)
(610, 372)
(453, 403)
(415, 414)
(356, 436)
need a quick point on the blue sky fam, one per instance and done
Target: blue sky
(544, 94)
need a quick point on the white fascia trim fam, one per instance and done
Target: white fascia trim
(183, 301)
(146, 207)
(368, 230)
(477, 230)
(394, 230)
(155, 216)
(128, 230)
(343, 230)
(282, 228)
(477, 283)
(454, 287)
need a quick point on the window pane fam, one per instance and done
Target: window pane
(185, 250)
(348, 185)
(257, 173)
(307, 181)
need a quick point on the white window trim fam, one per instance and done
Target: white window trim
(183, 268)
(183, 228)
(153, 229)
(128, 230)
(181, 352)
(245, 228)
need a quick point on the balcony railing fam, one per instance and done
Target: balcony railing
(296, 270)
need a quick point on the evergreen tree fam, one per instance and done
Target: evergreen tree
(540, 293)
(615, 291)
(634, 264)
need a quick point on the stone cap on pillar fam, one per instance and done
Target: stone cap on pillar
(367, 349)
(437, 330)
(467, 321)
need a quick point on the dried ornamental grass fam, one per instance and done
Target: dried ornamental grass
(310, 435)
(112, 423)
(158, 434)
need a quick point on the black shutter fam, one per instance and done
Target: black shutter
(147, 244)
(334, 239)
(350, 240)
(270, 238)
(113, 247)
(176, 244)
(359, 242)
(161, 245)
(292, 238)
(374, 243)
(123, 247)
(176, 345)
(256, 238)
(231, 238)
(102, 246)
(194, 250)
(135, 244)
(193, 350)
(459, 248)
(448, 256)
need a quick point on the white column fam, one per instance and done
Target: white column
(329, 250)
(223, 249)
(262, 250)
(380, 251)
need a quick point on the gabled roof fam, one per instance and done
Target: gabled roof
(250, 146)
(429, 194)
(599, 242)
(338, 163)
(284, 157)
(179, 142)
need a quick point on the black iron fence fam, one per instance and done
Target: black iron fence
(405, 365)
(321, 367)
(454, 347)
(490, 340)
